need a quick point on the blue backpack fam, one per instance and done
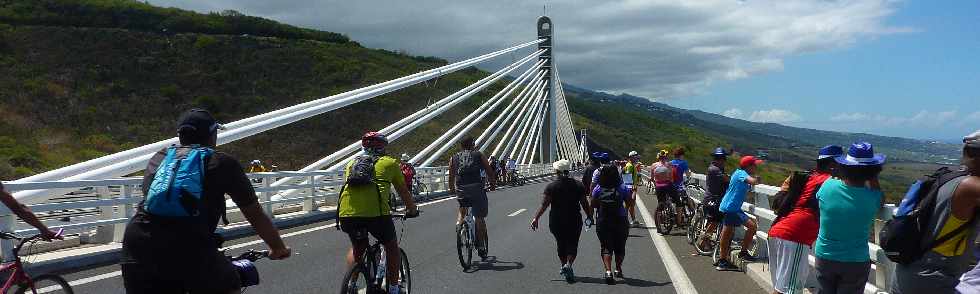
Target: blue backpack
(178, 185)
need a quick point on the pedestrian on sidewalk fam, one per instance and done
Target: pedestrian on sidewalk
(612, 228)
(797, 222)
(742, 180)
(940, 268)
(566, 196)
(847, 209)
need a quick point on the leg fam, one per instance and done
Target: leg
(708, 232)
(462, 214)
(394, 261)
(481, 230)
(631, 208)
(827, 278)
(750, 228)
(727, 232)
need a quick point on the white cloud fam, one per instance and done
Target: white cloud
(973, 117)
(733, 113)
(654, 48)
(923, 118)
(847, 117)
(775, 116)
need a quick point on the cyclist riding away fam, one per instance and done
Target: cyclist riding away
(170, 245)
(631, 177)
(717, 182)
(408, 170)
(364, 210)
(731, 205)
(465, 181)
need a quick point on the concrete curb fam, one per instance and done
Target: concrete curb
(759, 272)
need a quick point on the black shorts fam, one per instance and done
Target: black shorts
(711, 211)
(668, 193)
(612, 234)
(358, 228)
(475, 197)
(160, 261)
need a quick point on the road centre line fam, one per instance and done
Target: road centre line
(519, 211)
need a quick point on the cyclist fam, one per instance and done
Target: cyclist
(408, 170)
(717, 182)
(511, 169)
(362, 208)
(631, 177)
(25, 214)
(502, 173)
(663, 179)
(566, 197)
(731, 205)
(681, 173)
(465, 181)
(176, 251)
(612, 228)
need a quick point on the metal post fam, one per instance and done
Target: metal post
(308, 203)
(548, 139)
(126, 211)
(104, 234)
(266, 197)
(7, 246)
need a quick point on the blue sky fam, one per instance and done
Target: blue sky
(921, 83)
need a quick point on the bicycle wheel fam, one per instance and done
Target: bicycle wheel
(357, 278)
(711, 242)
(716, 251)
(404, 273)
(692, 230)
(670, 217)
(47, 284)
(463, 248)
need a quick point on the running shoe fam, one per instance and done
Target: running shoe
(570, 275)
(618, 274)
(724, 265)
(744, 255)
(609, 279)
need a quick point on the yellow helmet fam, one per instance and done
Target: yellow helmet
(663, 153)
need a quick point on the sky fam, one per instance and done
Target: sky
(888, 67)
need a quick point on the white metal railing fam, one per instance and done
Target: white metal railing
(103, 219)
(881, 266)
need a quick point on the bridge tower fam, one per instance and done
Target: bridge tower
(549, 138)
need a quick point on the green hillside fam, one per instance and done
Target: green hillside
(70, 93)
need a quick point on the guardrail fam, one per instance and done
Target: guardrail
(103, 220)
(760, 209)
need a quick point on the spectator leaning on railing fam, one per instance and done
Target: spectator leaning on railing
(847, 210)
(939, 270)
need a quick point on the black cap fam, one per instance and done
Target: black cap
(197, 123)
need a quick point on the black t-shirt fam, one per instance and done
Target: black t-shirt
(716, 182)
(587, 175)
(476, 165)
(566, 195)
(224, 175)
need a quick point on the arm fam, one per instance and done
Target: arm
(24, 213)
(491, 176)
(752, 180)
(586, 207)
(263, 226)
(544, 206)
(452, 175)
(407, 198)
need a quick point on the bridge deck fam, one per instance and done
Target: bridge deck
(522, 262)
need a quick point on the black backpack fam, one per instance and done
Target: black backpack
(902, 237)
(785, 201)
(362, 174)
(609, 202)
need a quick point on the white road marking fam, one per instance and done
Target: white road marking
(114, 274)
(678, 277)
(517, 212)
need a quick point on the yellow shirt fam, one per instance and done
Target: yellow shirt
(369, 201)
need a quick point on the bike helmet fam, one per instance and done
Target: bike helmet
(405, 157)
(663, 153)
(374, 140)
(633, 153)
(719, 152)
(256, 162)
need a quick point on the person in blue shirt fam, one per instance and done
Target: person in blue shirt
(681, 172)
(609, 200)
(847, 211)
(731, 205)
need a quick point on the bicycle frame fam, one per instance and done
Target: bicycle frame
(17, 276)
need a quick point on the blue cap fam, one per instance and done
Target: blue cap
(603, 156)
(719, 152)
(861, 153)
(596, 154)
(830, 151)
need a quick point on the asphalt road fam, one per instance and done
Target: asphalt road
(521, 261)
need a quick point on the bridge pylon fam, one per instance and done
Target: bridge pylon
(549, 138)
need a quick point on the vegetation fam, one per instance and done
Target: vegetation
(135, 15)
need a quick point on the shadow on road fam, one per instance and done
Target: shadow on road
(626, 281)
(492, 264)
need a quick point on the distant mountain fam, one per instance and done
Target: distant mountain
(748, 135)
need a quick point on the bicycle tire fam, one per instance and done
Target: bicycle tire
(45, 283)
(350, 283)
(404, 273)
(692, 230)
(712, 242)
(463, 250)
(671, 217)
(716, 251)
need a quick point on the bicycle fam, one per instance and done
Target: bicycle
(370, 269)
(244, 263)
(418, 188)
(48, 283)
(516, 179)
(466, 241)
(666, 216)
(701, 227)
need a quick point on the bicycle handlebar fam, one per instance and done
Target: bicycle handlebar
(405, 215)
(12, 236)
(252, 255)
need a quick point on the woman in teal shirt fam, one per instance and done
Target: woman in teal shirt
(847, 210)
